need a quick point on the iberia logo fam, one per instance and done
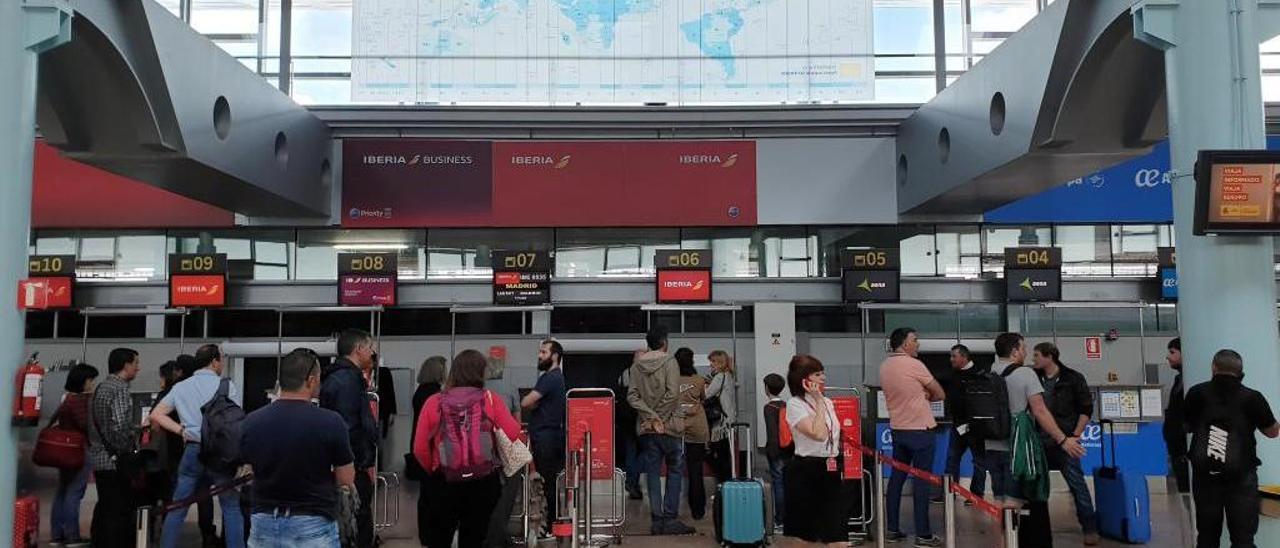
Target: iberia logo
(733, 159)
(564, 162)
(698, 286)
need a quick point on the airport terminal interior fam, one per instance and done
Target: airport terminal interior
(760, 179)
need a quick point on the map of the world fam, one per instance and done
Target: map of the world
(612, 51)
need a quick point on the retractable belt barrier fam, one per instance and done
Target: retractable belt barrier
(147, 516)
(979, 503)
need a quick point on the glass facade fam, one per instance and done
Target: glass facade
(926, 250)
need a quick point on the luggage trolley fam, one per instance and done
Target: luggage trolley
(589, 457)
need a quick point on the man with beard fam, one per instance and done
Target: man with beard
(546, 405)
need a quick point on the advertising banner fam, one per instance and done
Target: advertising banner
(595, 415)
(57, 289)
(847, 412)
(433, 183)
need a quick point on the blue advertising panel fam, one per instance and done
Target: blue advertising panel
(1135, 191)
(1136, 452)
(1168, 283)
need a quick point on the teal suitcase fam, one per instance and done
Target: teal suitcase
(738, 509)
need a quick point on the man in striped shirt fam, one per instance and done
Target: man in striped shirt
(112, 432)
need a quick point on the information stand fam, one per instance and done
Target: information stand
(589, 451)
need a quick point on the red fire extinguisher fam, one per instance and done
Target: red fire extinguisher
(30, 385)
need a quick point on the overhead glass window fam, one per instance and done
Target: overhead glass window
(251, 254)
(609, 253)
(317, 251)
(321, 52)
(1134, 248)
(1086, 249)
(246, 29)
(731, 250)
(121, 256)
(959, 251)
(465, 253)
(904, 51)
(915, 244)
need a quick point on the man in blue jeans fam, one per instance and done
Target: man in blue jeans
(300, 455)
(908, 388)
(1067, 395)
(654, 393)
(187, 397)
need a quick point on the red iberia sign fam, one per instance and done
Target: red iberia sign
(684, 286)
(850, 417)
(596, 416)
(198, 290)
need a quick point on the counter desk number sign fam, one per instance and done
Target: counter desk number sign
(1033, 274)
(367, 279)
(198, 280)
(50, 282)
(683, 276)
(870, 275)
(521, 278)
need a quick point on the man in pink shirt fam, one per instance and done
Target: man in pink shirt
(908, 388)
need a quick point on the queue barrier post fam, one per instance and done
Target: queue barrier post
(142, 527)
(948, 512)
(571, 495)
(1010, 528)
(586, 483)
(879, 502)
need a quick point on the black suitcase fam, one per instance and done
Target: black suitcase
(1034, 529)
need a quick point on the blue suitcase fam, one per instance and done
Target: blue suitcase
(738, 509)
(1123, 502)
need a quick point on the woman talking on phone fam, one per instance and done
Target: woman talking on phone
(818, 517)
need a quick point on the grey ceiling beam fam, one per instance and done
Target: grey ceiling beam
(1068, 94)
(139, 93)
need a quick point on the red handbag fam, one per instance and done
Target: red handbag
(61, 448)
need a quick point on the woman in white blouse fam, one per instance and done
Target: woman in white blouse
(819, 516)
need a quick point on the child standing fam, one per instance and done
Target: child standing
(778, 447)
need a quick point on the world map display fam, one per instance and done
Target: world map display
(612, 51)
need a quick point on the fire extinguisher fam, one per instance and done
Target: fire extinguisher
(30, 385)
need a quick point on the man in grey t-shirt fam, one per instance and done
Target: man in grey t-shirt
(1025, 393)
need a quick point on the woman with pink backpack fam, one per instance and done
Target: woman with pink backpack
(456, 446)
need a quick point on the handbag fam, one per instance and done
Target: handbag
(514, 454)
(131, 464)
(59, 447)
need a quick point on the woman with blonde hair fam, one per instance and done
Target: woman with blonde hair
(430, 379)
(721, 409)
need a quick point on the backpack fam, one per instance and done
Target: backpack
(464, 437)
(1218, 443)
(984, 405)
(220, 428)
(785, 440)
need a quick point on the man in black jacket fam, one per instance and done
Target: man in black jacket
(1066, 392)
(343, 389)
(1175, 429)
(964, 368)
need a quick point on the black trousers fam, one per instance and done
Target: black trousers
(695, 454)
(113, 515)
(1235, 497)
(500, 520)
(548, 459)
(462, 507)
(424, 511)
(364, 516)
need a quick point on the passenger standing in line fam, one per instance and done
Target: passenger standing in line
(463, 491)
(1223, 415)
(965, 369)
(776, 450)
(343, 389)
(821, 515)
(1067, 394)
(546, 403)
(187, 397)
(1026, 394)
(204, 507)
(721, 394)
(300, 455)
(908, 388)
(696, 432)
(72, 414)
(1175, 428)
(113, 433)
(625, 435)
(654, 393)
(430, 380)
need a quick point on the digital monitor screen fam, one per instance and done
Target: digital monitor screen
(198, 290)
(684, 286)
(1237, 191)
(367, 290)
(59, 290)
(1023, 285)
(512, 288)
(861, 286)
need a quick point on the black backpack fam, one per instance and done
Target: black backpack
(1220, 439)
(220, 427)
(984, 405)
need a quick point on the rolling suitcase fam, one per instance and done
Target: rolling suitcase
(26, 521)
(738, 510)
(1123, 503)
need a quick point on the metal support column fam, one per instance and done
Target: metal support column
(27, 28)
